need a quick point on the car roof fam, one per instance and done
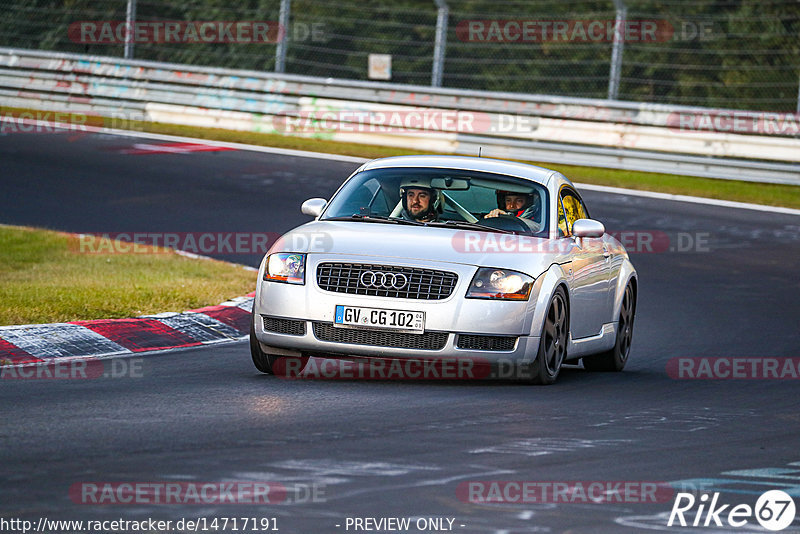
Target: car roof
(497, 166)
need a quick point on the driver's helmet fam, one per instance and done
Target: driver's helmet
(420, 183)
(530, 205)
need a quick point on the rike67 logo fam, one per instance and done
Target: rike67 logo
(774, 510)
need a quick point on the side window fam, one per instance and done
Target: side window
(573, 209)
(584, 213)
(562, 222)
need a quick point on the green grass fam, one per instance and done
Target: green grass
(46, 278)
(741, 191)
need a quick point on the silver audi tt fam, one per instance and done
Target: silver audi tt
(447, 258)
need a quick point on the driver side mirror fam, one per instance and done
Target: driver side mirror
(588, 228)
(313, 206)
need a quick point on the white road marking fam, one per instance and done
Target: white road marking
(686, 198)
(545, 446)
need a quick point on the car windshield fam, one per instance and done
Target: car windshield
(455, 197)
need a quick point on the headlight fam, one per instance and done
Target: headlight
(489, 283)
(286, 267)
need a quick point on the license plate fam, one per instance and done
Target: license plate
(412, 322)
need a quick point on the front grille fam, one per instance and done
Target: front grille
(284, 326)
(423, 284)
(378, 338)
(494, 343)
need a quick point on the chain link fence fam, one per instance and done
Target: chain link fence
(736, 54)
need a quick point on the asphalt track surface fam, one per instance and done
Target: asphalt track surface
(384, 449)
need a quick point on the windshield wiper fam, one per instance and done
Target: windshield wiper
(375, 218)
(474, 226)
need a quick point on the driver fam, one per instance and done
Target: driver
(419, 201)
(523, 205)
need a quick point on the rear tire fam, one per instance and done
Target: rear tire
(615, 359)
(553, 341)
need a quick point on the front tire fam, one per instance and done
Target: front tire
(263, 362)
(615, 359)
(553, 341)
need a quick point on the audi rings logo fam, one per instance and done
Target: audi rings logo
(381, 280)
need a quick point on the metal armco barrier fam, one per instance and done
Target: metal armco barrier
(704, 142)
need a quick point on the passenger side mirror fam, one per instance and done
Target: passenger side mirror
(314, 206)
(588, 228)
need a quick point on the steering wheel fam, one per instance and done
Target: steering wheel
(506, 222)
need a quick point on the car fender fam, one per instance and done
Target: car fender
(261, 269)
(547, 282)
(626, 274)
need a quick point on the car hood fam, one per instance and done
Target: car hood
(531, 255)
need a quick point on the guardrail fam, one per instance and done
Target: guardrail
(672, 139)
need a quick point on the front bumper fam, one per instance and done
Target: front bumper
(450, 321)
